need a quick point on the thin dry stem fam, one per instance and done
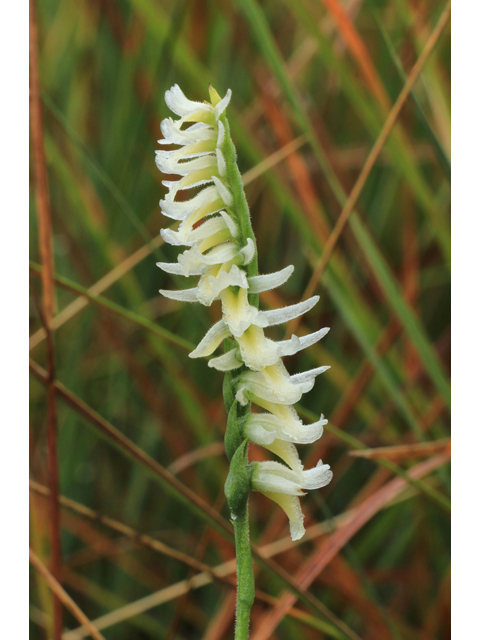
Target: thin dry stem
(99, 287)
(63, 597)
(40, 169)
(130, 533)
(404, 451)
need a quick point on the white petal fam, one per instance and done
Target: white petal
(214, 240)
(198, 215)
(221, 134)
(265, 474)
(227, 362)
(306, 376)
(287, 452)
(191, 260)
(248, 251)
(261, 428)
(273, 483)
(195, 150)
(172, 237)
(223, 191)
(277, 316)
(291, 506)
(216, 278)
(235, 277)
(273, 384)
(230, 223)
(222, 167)
(192, 180)
(289, 428)
(241, 396)
(237, 312)
(214, 336)
(175, 268)
(187, 236)
(167, 163)
(208, 228)
(222, 253)
(308, 433)
(317, 477)
(294, 345)
(257, 351)
(180, 210)
(174, 210)
(178, 103)
(254, 386)
(185, 295)
(205, 294)
(174, 135)
(276, 477)
(223, 104)
(269, 281)
(289, 347)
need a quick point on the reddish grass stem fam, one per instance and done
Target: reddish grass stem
(48, 287)
(40, 170)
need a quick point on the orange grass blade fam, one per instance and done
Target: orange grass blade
(359, 51)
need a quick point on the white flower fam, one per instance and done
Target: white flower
(274, 384)
(273, 476)
(219, 250)
(265, 428)
(188, 110)
(196, 134)
(259, 352)
(274, 480)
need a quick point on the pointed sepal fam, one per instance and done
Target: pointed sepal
(238, 483)
(233, 437)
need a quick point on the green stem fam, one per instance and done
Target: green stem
(237, 487)
(245, 577)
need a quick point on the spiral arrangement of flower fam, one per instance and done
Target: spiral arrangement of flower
(215, 226)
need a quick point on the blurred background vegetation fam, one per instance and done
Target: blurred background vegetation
(313, 82)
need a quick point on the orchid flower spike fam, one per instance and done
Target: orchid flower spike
(214, 225)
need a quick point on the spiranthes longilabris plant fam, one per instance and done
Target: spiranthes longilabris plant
(215, 225)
